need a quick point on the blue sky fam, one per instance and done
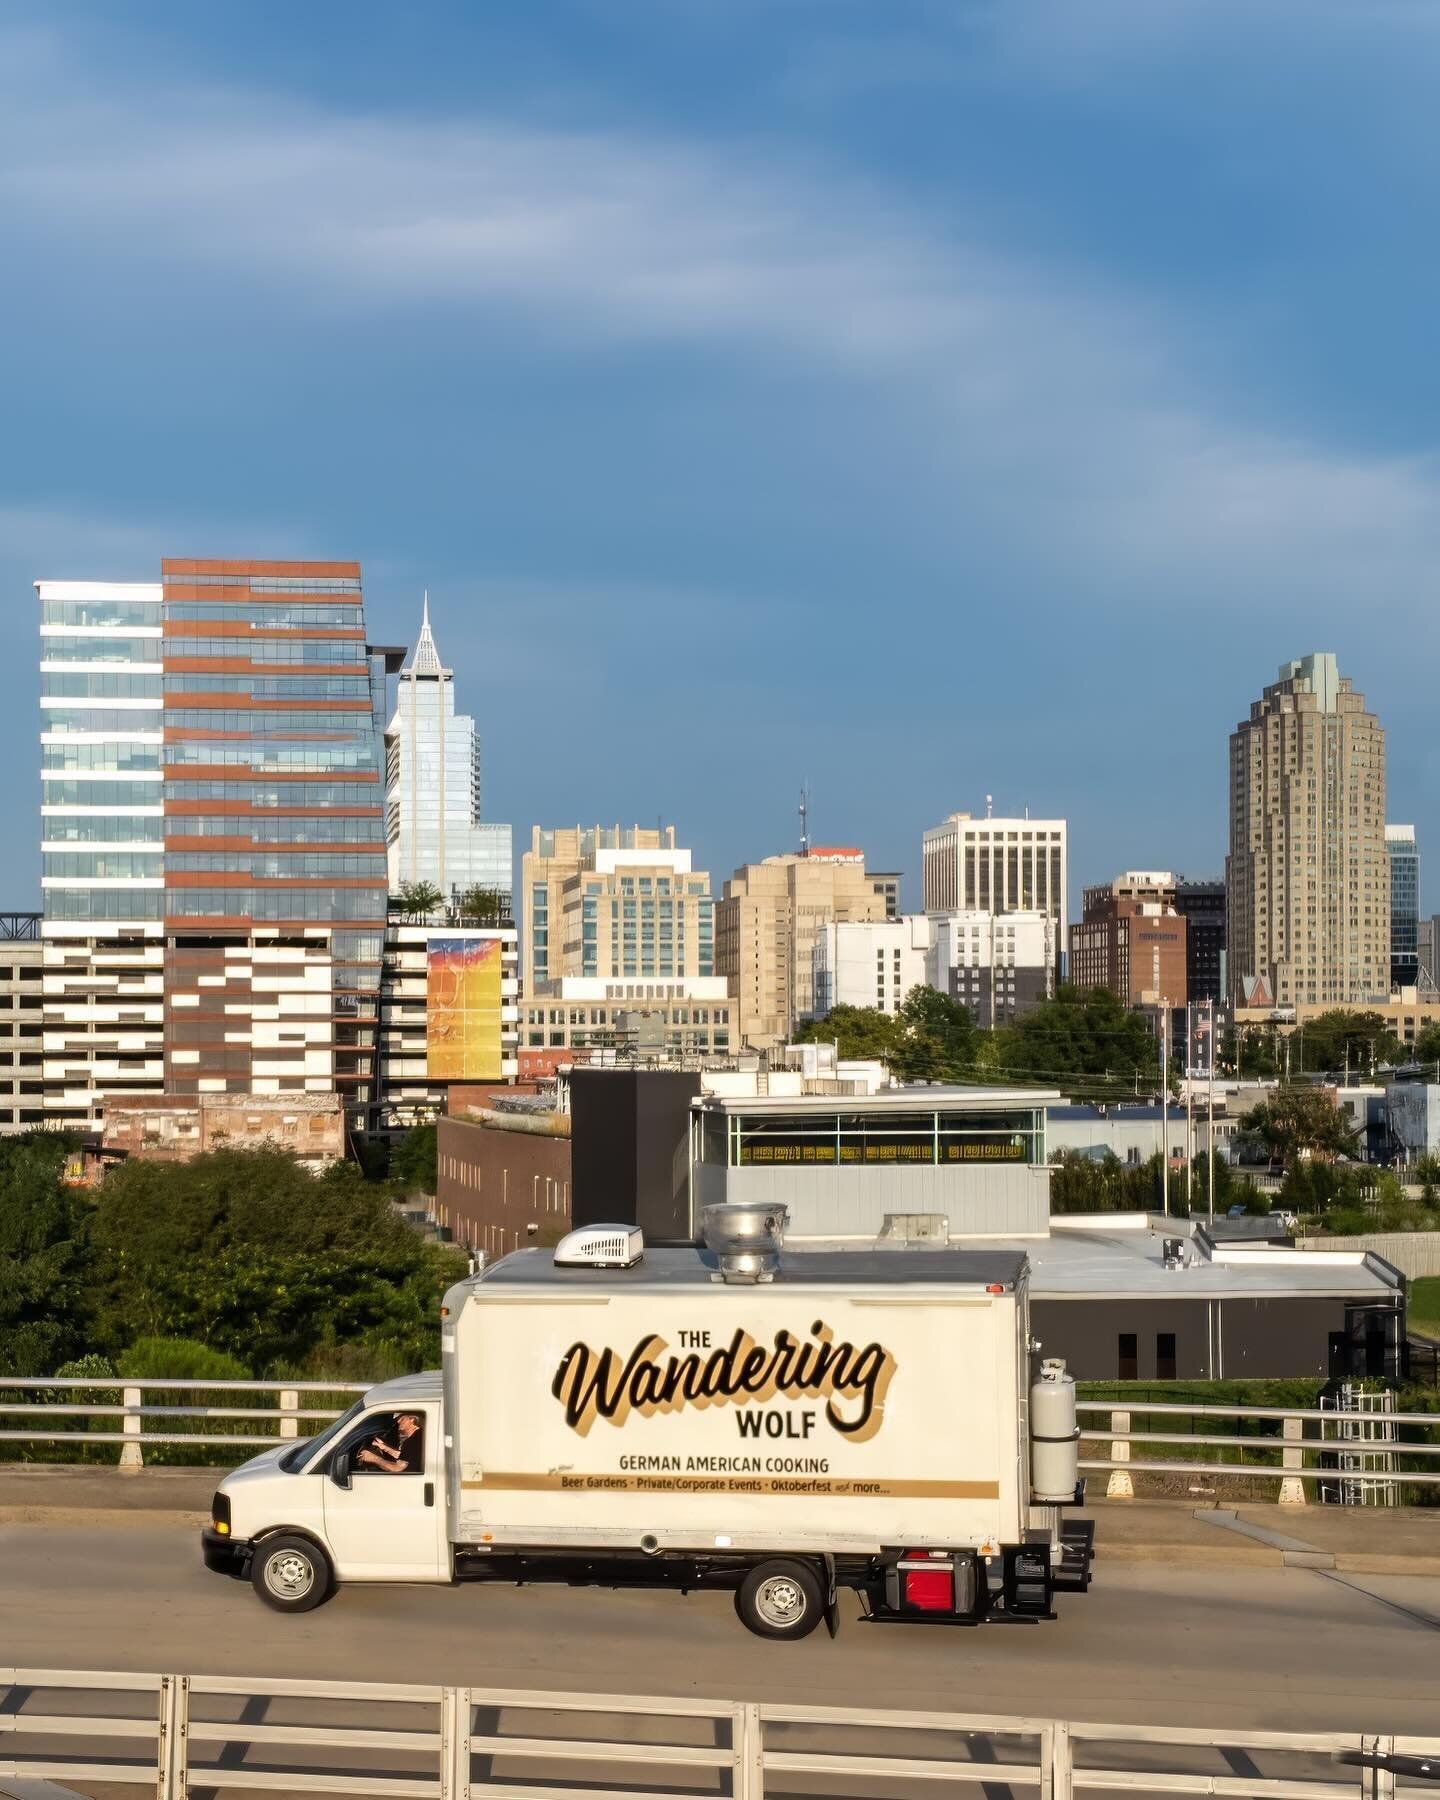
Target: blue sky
(924, 400)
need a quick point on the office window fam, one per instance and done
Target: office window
(1129, 1369)
(1165, 1355)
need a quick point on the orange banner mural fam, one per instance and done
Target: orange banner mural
(462, 1009)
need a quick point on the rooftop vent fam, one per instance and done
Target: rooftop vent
(747, 1239)
(600, 1247)
(1173, 1250)
(916, 1228)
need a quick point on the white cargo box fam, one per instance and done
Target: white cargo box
(858, 1400)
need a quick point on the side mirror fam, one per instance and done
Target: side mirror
(340, 1469)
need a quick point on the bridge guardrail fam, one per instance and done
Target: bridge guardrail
(163, 1733)
(1362, 1451)
(140, 1403)
(1296, 1447)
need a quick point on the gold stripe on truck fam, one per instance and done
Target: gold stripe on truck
(841, 1487)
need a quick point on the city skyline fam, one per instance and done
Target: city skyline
(911, 866)
(903, 342)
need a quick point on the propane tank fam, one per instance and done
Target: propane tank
(1054, 1434)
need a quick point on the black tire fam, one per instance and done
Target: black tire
(291, 1573)
(781, 1599)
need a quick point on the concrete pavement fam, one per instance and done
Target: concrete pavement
(1361, 1541)
(1158, 1642)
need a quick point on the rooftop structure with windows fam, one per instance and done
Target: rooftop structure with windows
(845, 1164)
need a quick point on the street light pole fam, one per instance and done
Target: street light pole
(1210, 1132)
(1165, 1108)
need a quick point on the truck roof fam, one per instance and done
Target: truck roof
(688, 1266)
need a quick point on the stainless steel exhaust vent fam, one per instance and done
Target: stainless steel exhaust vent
(747, 1239)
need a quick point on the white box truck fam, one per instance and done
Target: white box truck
(778, 1423)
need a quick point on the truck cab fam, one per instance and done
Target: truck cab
(335, 1508)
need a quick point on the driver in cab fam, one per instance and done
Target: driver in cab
(403, 1456)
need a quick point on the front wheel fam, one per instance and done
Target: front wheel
(780, 1599)
(291, 1574)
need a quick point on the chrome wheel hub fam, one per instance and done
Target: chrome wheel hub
(780, 1601)
(289, 1575)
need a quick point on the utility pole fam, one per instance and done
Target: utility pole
(1210, 1133)
(1189, 1105)
(1165, 1108)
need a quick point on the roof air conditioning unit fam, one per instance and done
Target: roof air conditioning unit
(600, 1247)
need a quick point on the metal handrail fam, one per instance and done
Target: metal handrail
(440, 1743)
(181, 1381)
(1207, 1410)
(39, 1410)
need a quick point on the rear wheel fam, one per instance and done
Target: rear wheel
(781, 1599)
(291, 1574)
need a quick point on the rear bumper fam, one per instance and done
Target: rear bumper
(224, 1555)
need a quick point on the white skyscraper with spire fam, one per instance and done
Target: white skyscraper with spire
(433, 822)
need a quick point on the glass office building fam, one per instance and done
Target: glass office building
(213, 826)
(1404, 858)
(433, 825)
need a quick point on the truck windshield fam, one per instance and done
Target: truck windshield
(292, 1459)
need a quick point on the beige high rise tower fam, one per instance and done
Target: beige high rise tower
(1308, 880)
(766, 927)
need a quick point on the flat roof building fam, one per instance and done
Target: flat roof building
(997, 865)
(613, 903)
(975, 1157)
(768, 922)
(1131, 940)
(22, 1038)
(213, 835)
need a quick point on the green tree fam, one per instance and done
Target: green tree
(42, 1260)
(1427, 1043)
(1081, 1183)
(1296, 1123)
(248, 1253)
(419, 898)
(935, 1038)
(1087, 1033)
(414, 1160)
(1248, 1050)
(173, 1358)
(1343, 1038)
(484, 906)
(861, 1033)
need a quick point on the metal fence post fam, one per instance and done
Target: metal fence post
(455, 1718)
(1292, 1488)
(289, 1406)
(747, 1740)
(131, 1461)
(1122, 1484)
(1062, 1762)
(172, 1759)
(1377, 1777)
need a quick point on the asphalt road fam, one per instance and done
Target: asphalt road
(1281, 1649)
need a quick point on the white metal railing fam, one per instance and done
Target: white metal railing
(137, 1413)
(50, 1410)
(163, 1733)
(1302, 1457)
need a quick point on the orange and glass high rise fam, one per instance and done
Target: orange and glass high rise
(214, 836)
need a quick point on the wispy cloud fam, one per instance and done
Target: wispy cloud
(1051, 403)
